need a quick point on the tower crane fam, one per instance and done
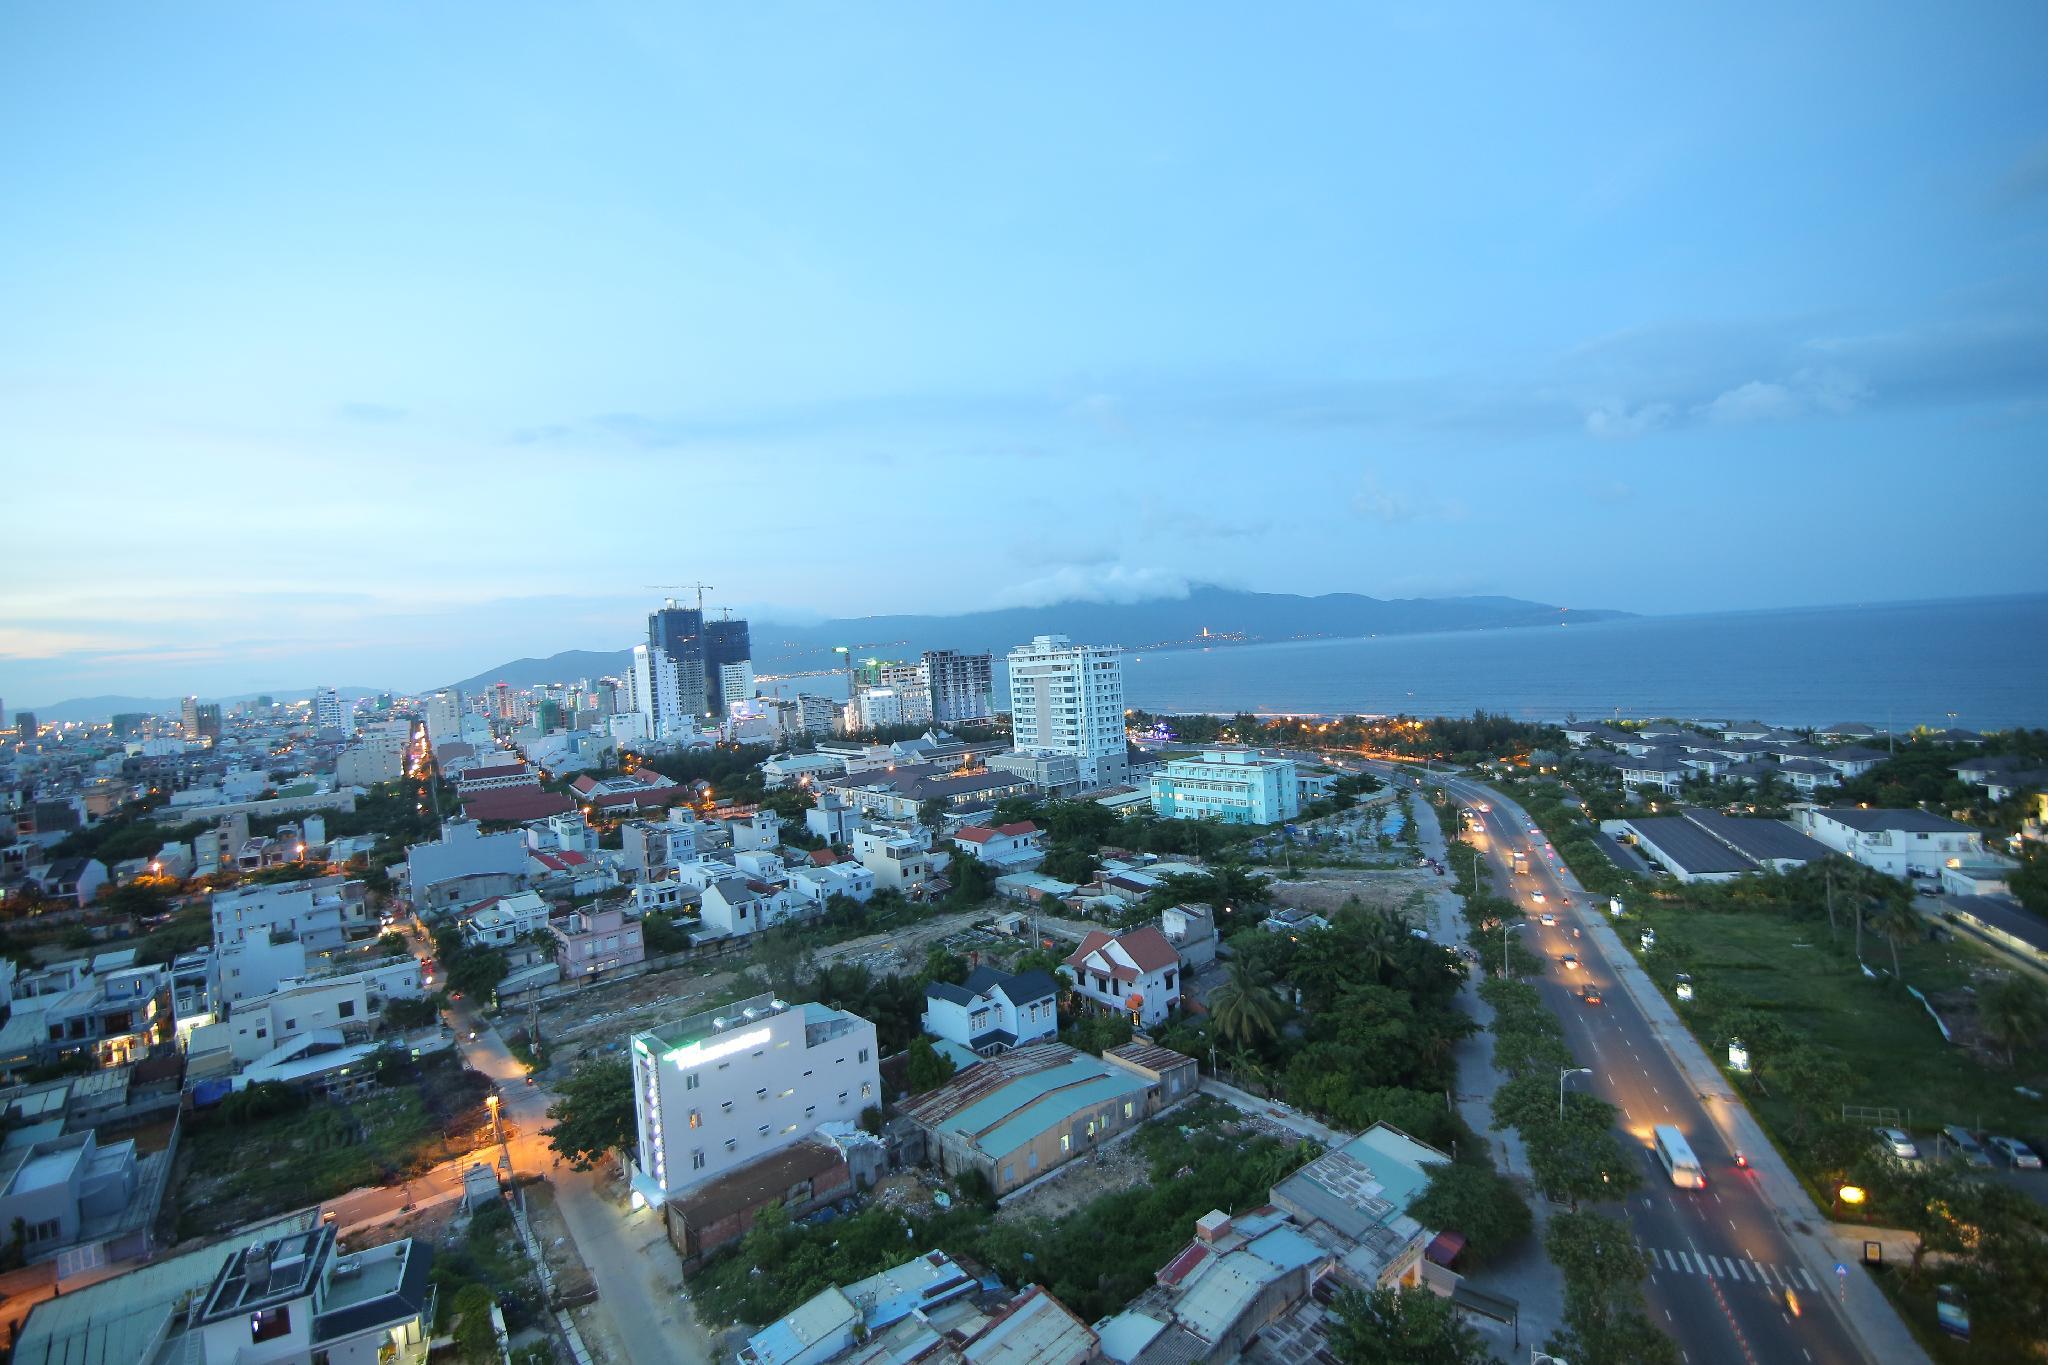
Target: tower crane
(701, 588)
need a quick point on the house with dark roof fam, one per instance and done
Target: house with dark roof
(1663, 772)
(76, 880)
(993, 1011)
(1707, 846)
(1136, 972)
(1900, 843)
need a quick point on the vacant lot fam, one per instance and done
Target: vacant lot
(1790, 969)
(233, 1173)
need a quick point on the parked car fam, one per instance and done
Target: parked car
(1968, 1149)
(2017, 1154)
(1897, 1143)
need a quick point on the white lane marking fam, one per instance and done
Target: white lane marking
(1811, 1287)
(1748, 1275)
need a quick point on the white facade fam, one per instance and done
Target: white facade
(819, 884)
(736, 682)
(329, 713)
(1235, 786)
(1069, 699)
(876, 707)
(961, 686)
(726, 1087)
(899, 858)
(349, 1002)
(1900, 843)
(443, 713)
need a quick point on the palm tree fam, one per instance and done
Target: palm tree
(1897, 921)
(1244, 1011)
(2012, 1013)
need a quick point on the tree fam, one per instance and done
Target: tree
(929, 1068)
(2012, 1013)
(1244, 1012)
(477, 972)
(1070, 864)
(931, 814)
(594, 1114)
(943, 964)
(1477, 1201)
(475, 1339)
(1897, 922)
(402, 1016)
(1389, 1326)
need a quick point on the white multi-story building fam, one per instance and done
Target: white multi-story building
(1069, 699)
(722, 1088)
(1235, 786)
(900, 858)
(876, 707)
(736, 681)
(444, 717)
(819, 715)
(329, 713)
(318, 913)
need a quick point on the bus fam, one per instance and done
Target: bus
(1679, 1162)
(1521, 862)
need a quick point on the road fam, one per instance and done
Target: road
(1722, 1261)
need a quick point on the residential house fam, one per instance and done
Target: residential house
(74, 880)
(465, 864)
(901, 857)
(1191, 929)
(736, 906)
(993, 1011)
(1662, 772)
(502, 921)
(1136, 972)
(1017, 847)
(591, 942)
(59, 1189)
(1028, 1111)
(1900, 843)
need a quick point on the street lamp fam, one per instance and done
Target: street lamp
(1505, 928)
(1851, 1194)
(1564, 1073)
(497, 1133)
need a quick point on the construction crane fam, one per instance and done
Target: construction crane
(701, 588)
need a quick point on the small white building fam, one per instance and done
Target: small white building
(1017, 847)
(899, 857)
(993, 1011)
(1235, 786)
(1136, 972)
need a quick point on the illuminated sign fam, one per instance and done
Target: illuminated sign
(710, 1050)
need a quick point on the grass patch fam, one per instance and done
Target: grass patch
(238, 1172)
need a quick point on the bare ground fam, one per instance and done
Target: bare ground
(1079, 1183)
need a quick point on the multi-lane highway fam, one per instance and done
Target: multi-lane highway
(1725, 1272)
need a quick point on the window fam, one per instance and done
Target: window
(866, 1091)
(346, 1010)
(697, 1160)
(1031, 1161)
(1066, 1142)
(268, 1324)
(1009, 1174)
(1130, 1108)
(691, 1080)
(863, 1054)
(696, 1118)
(290, 1024)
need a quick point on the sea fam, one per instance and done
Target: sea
(1981, 664)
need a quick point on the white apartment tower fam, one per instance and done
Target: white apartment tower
(329, 713)
(444, 717)
(1069, 699)
(724, 1087)
(961, 685)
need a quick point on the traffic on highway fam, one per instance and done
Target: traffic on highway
(1725, 1277)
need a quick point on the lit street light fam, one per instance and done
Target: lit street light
(1563, 1074)
(1504, 931)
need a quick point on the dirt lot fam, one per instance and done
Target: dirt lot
(572, 1281)
(603, 1016)
(1079, 1183)
(1325, 889)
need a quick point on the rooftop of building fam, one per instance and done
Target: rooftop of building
(1903, 819)
(1688, 847)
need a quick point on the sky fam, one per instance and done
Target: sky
(377, 344)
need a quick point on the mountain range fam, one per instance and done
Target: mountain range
(1207, 615)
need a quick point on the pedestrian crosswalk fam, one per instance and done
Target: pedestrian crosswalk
(1736, 1269)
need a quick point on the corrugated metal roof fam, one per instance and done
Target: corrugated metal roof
(1053, 1110)
(1215, 1299)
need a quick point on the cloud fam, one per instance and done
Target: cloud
(1807, 392)
(371, 412)
(1095, 583)
(1619, 422)
(1755, 401)
(1374, 501)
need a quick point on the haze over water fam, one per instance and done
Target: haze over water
(1985, 660)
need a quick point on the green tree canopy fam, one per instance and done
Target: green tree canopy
(595, 1113)
(1389, 1326)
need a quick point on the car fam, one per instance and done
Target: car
(1571, 961)
(1897, 1143)
(1549, 918)
(2017, 1154)
(1968, 1149)
(1564, 900)
(1536, 896)
(1590, 995)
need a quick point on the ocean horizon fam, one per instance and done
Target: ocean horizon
(1978, 663)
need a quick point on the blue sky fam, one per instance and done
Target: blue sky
(377, 344)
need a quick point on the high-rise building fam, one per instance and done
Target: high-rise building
(189, 716)
(26, 727)
(961, 686)
(1069, 699)
(728, 664)
(443, 713)
(206, 721)
(817, 715)
(677, 633)
(129, 724)
(329, 713)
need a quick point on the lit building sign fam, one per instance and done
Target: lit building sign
(710, 1050)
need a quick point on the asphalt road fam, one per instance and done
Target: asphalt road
(1723, 1265)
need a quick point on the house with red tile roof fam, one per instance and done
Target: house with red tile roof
(1136, 972)
(1015, 847)
(515, 803)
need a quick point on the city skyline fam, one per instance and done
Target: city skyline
(1430, 309)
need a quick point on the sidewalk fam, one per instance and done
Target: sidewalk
(1868, 1315)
